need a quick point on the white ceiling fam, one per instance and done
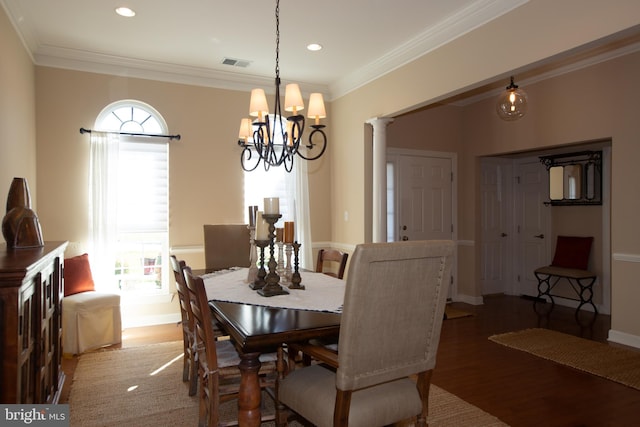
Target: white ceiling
(186, 41)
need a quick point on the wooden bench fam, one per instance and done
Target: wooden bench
(580, 280)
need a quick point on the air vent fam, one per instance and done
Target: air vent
(236, 62)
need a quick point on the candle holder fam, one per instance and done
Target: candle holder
(296, 279)
(280, 269)
(288, 250)
(253, 256)
(260, 281)
(272, 286)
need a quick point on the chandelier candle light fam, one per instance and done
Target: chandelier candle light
(273, 139)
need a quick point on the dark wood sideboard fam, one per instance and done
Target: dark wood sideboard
(31, 291)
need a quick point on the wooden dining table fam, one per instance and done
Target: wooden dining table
(262, 325)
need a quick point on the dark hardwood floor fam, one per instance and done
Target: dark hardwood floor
(520, 389)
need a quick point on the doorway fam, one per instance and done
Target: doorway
(421, 196)
(518, 228)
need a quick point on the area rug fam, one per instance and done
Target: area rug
(614, 363)
(454, 313)
(142, 387)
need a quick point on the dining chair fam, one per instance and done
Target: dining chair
(218, 360)
(332, 256)
(389, 331)
(190, 359)
(226, 246)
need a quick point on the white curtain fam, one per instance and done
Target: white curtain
(302, 214)
(103, 165)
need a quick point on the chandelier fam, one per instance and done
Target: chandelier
(273, 139)
(512, 103)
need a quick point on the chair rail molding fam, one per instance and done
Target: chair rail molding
(625, 257)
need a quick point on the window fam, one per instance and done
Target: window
(275, 182)
(141, 186)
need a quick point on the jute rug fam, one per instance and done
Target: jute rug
(454, 313)
(614, 363)
(142, 387)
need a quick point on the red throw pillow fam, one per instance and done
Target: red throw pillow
(572, 252)
(77, 275)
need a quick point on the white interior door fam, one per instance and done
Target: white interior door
(424, 198)
(533, 227)
(496, 219)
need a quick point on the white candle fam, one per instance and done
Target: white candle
(271, 206)
(262, 227)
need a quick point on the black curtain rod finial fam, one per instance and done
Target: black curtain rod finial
(176, 137)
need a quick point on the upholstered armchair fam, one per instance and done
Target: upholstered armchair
(390, 328)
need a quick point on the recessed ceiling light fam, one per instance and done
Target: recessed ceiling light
(314, 46)
(125, 11)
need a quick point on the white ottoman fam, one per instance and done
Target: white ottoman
(90, 320)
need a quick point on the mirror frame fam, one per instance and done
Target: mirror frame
(588, 191)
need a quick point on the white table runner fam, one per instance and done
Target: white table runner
(322, 293)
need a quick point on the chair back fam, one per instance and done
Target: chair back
(207, 350)
(205, 337)
(332, 256)
(183, 292)
(393, 309)
(226, 245)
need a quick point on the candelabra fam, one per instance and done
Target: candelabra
(296, 279)
(260, 281)
(272, 286)
(288, 250)
(253, 259)
(281, 269)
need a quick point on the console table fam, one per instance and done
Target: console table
(31, 289)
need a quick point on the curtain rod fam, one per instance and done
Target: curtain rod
(176, 137)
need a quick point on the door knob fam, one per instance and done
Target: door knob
(405, 238)
(404, 227)
(539, 236)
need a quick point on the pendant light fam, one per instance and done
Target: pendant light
(512, 103)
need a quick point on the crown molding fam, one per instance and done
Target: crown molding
(455, 26)
(555, 72)
(72, 59)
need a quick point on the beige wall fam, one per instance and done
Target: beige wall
(206, 180)
(17, 113)
(475, 131)
(588, 109)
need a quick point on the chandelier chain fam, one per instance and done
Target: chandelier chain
(278, 40)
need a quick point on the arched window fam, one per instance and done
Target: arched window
(133, 213)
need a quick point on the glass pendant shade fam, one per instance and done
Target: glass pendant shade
(512, 103)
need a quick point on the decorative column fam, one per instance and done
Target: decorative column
(379, 212)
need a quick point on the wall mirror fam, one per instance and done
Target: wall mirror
(575, 178)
